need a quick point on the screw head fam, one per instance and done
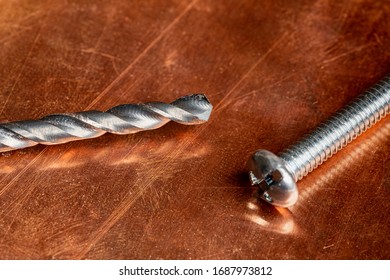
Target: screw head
(276, 184)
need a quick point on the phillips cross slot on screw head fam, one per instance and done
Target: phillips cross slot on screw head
(276, 176)
(122, 119)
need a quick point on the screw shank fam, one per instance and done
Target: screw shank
(339, 130)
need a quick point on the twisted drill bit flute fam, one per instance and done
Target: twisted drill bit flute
(122, 119)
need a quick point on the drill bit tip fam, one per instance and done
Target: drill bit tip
(198, 105)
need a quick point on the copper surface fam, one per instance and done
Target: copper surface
(273, 71)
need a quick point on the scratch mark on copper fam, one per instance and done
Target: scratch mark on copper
(218, 107)
(21, 70)
(17, 176)
(24, 251)
(103, 54)
(122, 208)
(65, 229)
(328, 246)
(24, 195)
(92, 51)
(18, 25)
(5, 39)
(115, 67)
(63, 248)
(31, 15)
(346, 10)
(343, 231)
(378, 39)
(112, 170)
(354, 50)
(142, 54)
(218, 254)
(240, 99)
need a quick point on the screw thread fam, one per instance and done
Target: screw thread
(334, 134)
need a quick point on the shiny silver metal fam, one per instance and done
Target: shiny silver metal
(122, 119)
(276, 176)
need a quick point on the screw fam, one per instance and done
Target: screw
(276, 176)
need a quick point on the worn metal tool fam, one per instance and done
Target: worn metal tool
(122, 119)
(276, 176)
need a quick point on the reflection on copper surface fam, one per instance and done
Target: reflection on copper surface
(120, 153)
(274, 219)
(7, 169)
(252, 206)
(363, 146)
(258, 220)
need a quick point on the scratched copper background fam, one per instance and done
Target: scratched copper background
(273, 70)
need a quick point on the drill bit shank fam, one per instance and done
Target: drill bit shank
(122, 119)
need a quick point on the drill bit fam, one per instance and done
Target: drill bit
(122, 119)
